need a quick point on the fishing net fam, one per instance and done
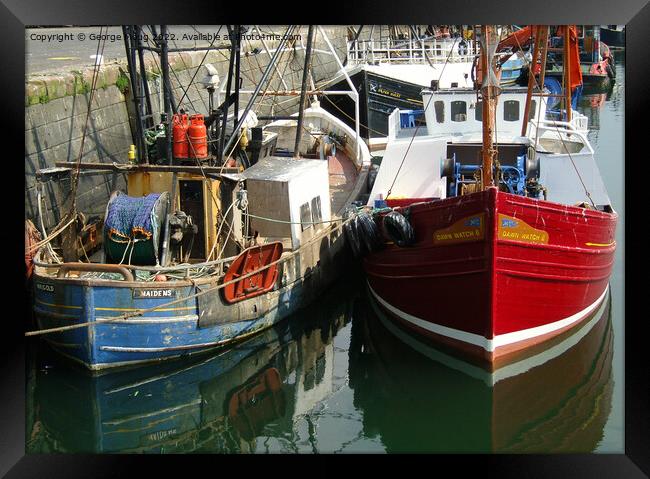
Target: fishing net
(134, 223)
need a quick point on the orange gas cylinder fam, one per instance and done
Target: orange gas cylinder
(180, 127)
(198, 137)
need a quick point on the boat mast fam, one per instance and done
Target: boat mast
(567, 73)
(535, 32)
(271, 65)
(148, 118)
(540, 49)
(489, 91)
(136, 97)
(303, 91)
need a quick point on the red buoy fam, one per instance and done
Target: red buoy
(180, 127)
(198, 137)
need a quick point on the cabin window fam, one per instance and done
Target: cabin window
(305, 217)
(478, 112)
(439, 107)
(458, 110)
(511, 110)
(533, 110)
(316, 209)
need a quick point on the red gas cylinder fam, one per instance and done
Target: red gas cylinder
(198, 137)
(180, 127)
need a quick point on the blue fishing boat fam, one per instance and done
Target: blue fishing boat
(205, 248)
(210, 403)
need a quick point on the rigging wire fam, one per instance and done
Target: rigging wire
(75, 178)
(60, 227)
(531, 72)
(418, 127)
(197, 70)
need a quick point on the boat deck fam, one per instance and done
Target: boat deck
(343, 179)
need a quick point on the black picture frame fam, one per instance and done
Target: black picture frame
(16, 14)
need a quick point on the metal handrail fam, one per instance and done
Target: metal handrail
(65, 268)
(151, 269)
(562, 127)
(383, 51)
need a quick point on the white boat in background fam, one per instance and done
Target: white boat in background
(390, 72)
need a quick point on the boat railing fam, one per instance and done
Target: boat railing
(414, 51)
(580, 121)
(394, 124)
(61, 269)
(563, 130)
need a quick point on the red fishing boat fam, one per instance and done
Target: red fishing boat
(491, 258)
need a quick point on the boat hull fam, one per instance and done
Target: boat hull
(493, 275)
(591, 80)
(612, 38)
(380, 95)
(190, 326)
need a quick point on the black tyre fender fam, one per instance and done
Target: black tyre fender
(369, 232)
(398, 229)
(350, 230)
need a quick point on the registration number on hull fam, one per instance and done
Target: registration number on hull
(45, 287)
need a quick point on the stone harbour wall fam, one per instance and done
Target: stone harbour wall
(56, 110)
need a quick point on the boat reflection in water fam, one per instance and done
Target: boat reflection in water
(373, 387)
(419, 399)
(216, 403)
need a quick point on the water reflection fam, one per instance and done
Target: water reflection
(334, 378)
(418, 399)
(338, 378)
(592, 101)
(217, 403)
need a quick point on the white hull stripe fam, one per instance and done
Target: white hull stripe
(504, 372)
(498, 341)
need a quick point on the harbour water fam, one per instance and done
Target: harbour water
(336, 377)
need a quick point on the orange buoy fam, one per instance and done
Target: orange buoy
(180, 127)
(198, 137)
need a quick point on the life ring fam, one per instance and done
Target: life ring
(398, 229)
(369, 232)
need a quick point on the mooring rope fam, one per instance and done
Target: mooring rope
(140, 312)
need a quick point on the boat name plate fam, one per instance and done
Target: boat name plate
(154, 293)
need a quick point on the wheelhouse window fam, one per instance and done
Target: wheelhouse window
(316, 210)
(458, 110)
(511, 110)
(305, 217)
(478, 111)
(439, 108)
